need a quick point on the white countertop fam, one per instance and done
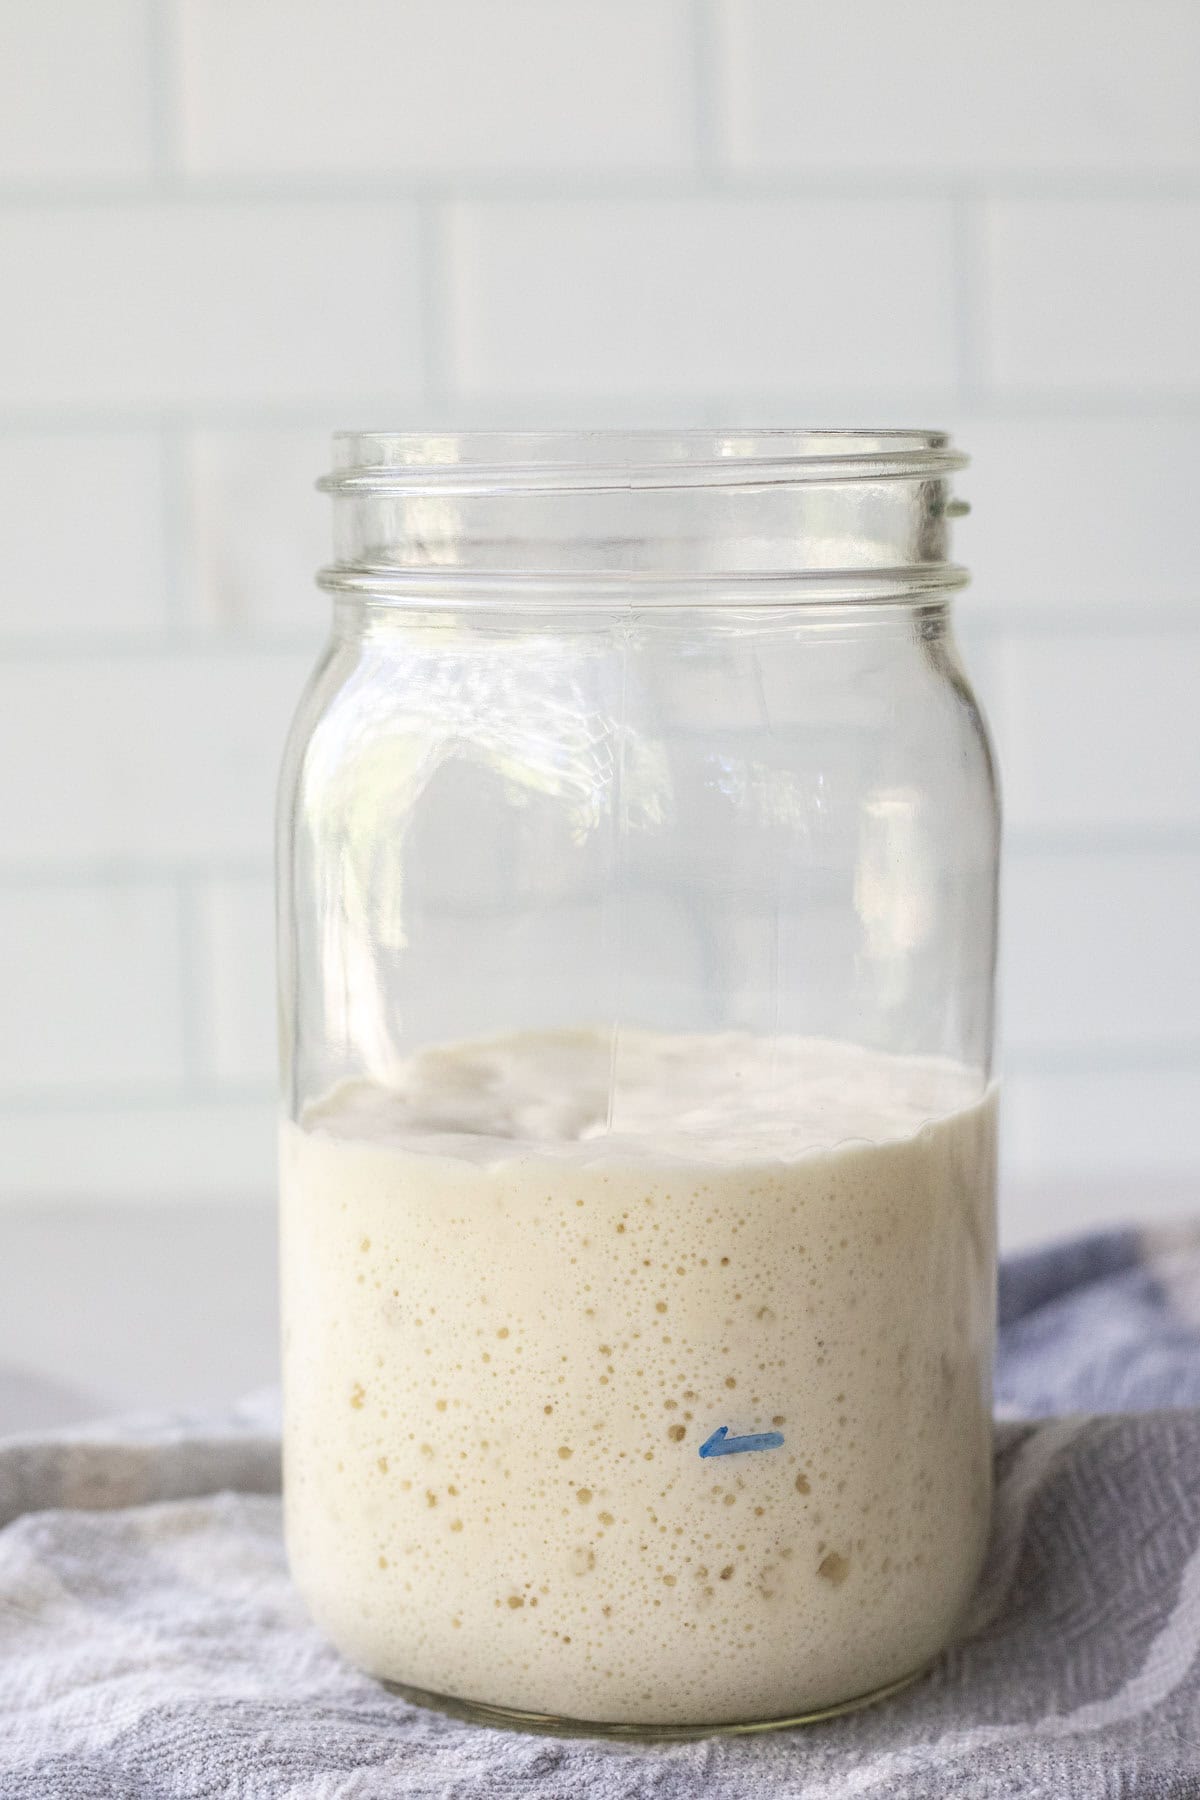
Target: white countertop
(111, 1308)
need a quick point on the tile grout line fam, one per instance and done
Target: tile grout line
(131, 873)
(46, 1103)
(435, 299)
(174, 643)
(1027, 620)
(160, 35)
(192, 1008)
(1023, 842)
(179, 638)
(1015, 405)
(707, 108)
(1055, 1061)
(478, 185)
(970, 311)
(175, 561)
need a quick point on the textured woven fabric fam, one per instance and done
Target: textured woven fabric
(151, 1644)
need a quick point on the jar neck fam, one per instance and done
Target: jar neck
(899, 626)
(648, 519)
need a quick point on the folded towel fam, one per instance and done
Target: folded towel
(151, 1644)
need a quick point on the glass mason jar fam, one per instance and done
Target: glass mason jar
(637, 916)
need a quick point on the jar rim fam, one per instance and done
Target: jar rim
(479, 463)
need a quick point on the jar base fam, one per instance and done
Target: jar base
(477, 1712)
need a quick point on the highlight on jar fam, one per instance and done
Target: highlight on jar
(638, 845)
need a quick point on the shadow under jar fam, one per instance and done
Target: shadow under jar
(637, 913)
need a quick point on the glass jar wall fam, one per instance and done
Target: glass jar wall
(638, 846)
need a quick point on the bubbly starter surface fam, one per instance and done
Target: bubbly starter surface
(510, 1324)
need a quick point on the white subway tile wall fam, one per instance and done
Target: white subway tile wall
(155, 759)
(1092, 295)
(92, 998)
(699, 296)
(1083, 521)
(433, 87)
(89, 506)
(228, 229)
(235, 944)
(930, 86)
(1100, 729)
(86, 115)
(190, 303)
(1103, 955)
(252, 532)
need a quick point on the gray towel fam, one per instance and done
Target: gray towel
(151, 1644)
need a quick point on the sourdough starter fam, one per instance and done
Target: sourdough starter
(511, 1323)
